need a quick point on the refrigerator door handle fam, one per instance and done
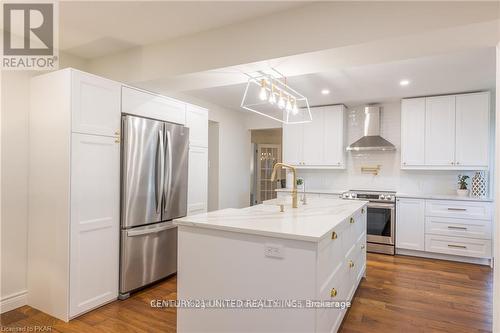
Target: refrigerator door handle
(149, 231)
(168, 185)
(159, 176)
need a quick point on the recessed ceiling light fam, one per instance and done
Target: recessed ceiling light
(325, 91)
(404, 82)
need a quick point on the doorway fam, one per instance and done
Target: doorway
(266, 151)
(213, 166)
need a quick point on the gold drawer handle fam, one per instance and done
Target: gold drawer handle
(333, 292)
(334, 235)
(117, 132)
(352, 220)
(457, 246)
(351, 264)
(117, 140)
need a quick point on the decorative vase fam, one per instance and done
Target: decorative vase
(479, 186)
(462, 193)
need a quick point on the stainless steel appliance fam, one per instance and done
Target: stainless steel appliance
(371, 140)
(153, 192)
(380, 219)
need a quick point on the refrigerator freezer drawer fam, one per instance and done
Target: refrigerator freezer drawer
(148, 254)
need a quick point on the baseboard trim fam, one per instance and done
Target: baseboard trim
(431, 255)
(13, 301)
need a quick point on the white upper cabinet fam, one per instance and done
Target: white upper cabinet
(146, 104)
(472, 129)
(413, 131)
(410, 224)
(313, 138)
(449, 132)
(293, 143)
(440, 131)
(317, 144)
(95, 104)
(197, 121)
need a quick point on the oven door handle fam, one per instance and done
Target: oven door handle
(380, 205)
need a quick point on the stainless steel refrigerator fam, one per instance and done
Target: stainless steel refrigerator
(153, 192)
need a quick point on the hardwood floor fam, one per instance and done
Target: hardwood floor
(400, 294)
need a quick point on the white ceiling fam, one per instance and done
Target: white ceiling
(462, 72)
(91, 29)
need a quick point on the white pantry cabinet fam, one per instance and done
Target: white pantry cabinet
(74, 190)
(197, 121)
(449, 132)
(317, 144)
(410, 222)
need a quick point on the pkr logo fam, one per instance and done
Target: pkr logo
(28, 29)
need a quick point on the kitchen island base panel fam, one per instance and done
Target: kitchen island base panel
(223, 265)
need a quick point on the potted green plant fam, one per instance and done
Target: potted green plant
(462, 185)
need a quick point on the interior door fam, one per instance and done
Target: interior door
(176, 171)
(142, 166)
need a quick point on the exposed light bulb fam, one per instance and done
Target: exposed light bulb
(263, 91)
(295, 108)
(272, 98)
(281, 102)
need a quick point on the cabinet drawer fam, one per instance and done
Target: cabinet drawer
(355, 262)
(338, 284)
(468, 247)
(331, 253)
(458, 227)
(458, 209)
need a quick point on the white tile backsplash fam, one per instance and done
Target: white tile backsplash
(391, 177)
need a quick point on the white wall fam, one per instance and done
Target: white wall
(391, 177)
(234, 152)
(14, 185)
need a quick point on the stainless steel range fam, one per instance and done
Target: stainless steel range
(380, 220)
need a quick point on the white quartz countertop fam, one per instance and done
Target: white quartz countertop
(309, 222)
(319, 191)
(441, 197)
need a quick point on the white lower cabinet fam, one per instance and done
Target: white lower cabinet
(197, 180)
(448, 227)
(410, 222)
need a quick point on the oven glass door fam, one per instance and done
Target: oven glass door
(380, 223)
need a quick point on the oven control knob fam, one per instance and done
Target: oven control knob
(389, 197)
(382, 197)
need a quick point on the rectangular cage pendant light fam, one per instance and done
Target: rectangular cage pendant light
(270, 96)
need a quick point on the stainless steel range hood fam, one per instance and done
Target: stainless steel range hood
(371, 139)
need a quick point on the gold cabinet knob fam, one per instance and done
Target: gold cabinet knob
(334, 235)
(352, 220)
(362, 210)
(363, 246)
(117, 140)
(351, 264)
(333, 292)
(117, 132)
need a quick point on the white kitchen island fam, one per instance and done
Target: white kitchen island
(251, 257)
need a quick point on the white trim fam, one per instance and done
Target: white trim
(423, 254)
(13, 301)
